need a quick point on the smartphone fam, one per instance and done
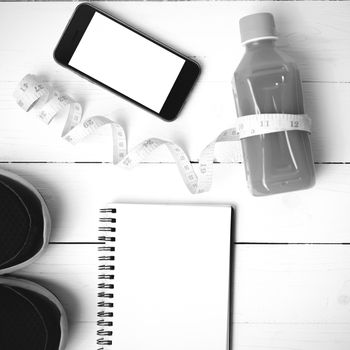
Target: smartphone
(125, 61)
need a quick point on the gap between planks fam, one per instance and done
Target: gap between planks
(151, 162)
(235, 243)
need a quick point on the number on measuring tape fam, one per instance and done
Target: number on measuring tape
(31, 92)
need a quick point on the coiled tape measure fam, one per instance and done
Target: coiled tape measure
(30, 93)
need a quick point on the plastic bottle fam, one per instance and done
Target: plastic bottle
(267, 81)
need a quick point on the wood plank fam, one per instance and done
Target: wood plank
(247, 337)
(74, 192)
(24, 138)
(289, 296)
(286, 296)
(311, 29)
(291, 336)
(250, 336)
(284, 284)
(81, 336)
(70, 272)
(315, 33)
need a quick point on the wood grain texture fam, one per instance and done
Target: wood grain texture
(251, 336)
(23, 137)
(285, 297)
(74, 192)
(315, 34)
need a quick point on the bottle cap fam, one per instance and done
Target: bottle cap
(258, 26)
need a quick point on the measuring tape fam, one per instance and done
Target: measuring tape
(31, 93)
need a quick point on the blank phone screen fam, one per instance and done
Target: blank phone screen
(127, 62)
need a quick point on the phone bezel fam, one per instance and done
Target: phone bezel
(74, 32)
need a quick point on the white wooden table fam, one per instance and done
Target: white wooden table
(292, 255)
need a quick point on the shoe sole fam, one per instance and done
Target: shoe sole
(46, 219)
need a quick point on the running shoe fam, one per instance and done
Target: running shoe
(25, 223)
(31, 317)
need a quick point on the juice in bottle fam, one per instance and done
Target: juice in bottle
(267, 81)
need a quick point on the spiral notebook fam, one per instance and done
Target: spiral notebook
(164, 277)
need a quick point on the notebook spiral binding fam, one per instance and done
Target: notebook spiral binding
(106, 279)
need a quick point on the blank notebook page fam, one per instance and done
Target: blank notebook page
(171, 277)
